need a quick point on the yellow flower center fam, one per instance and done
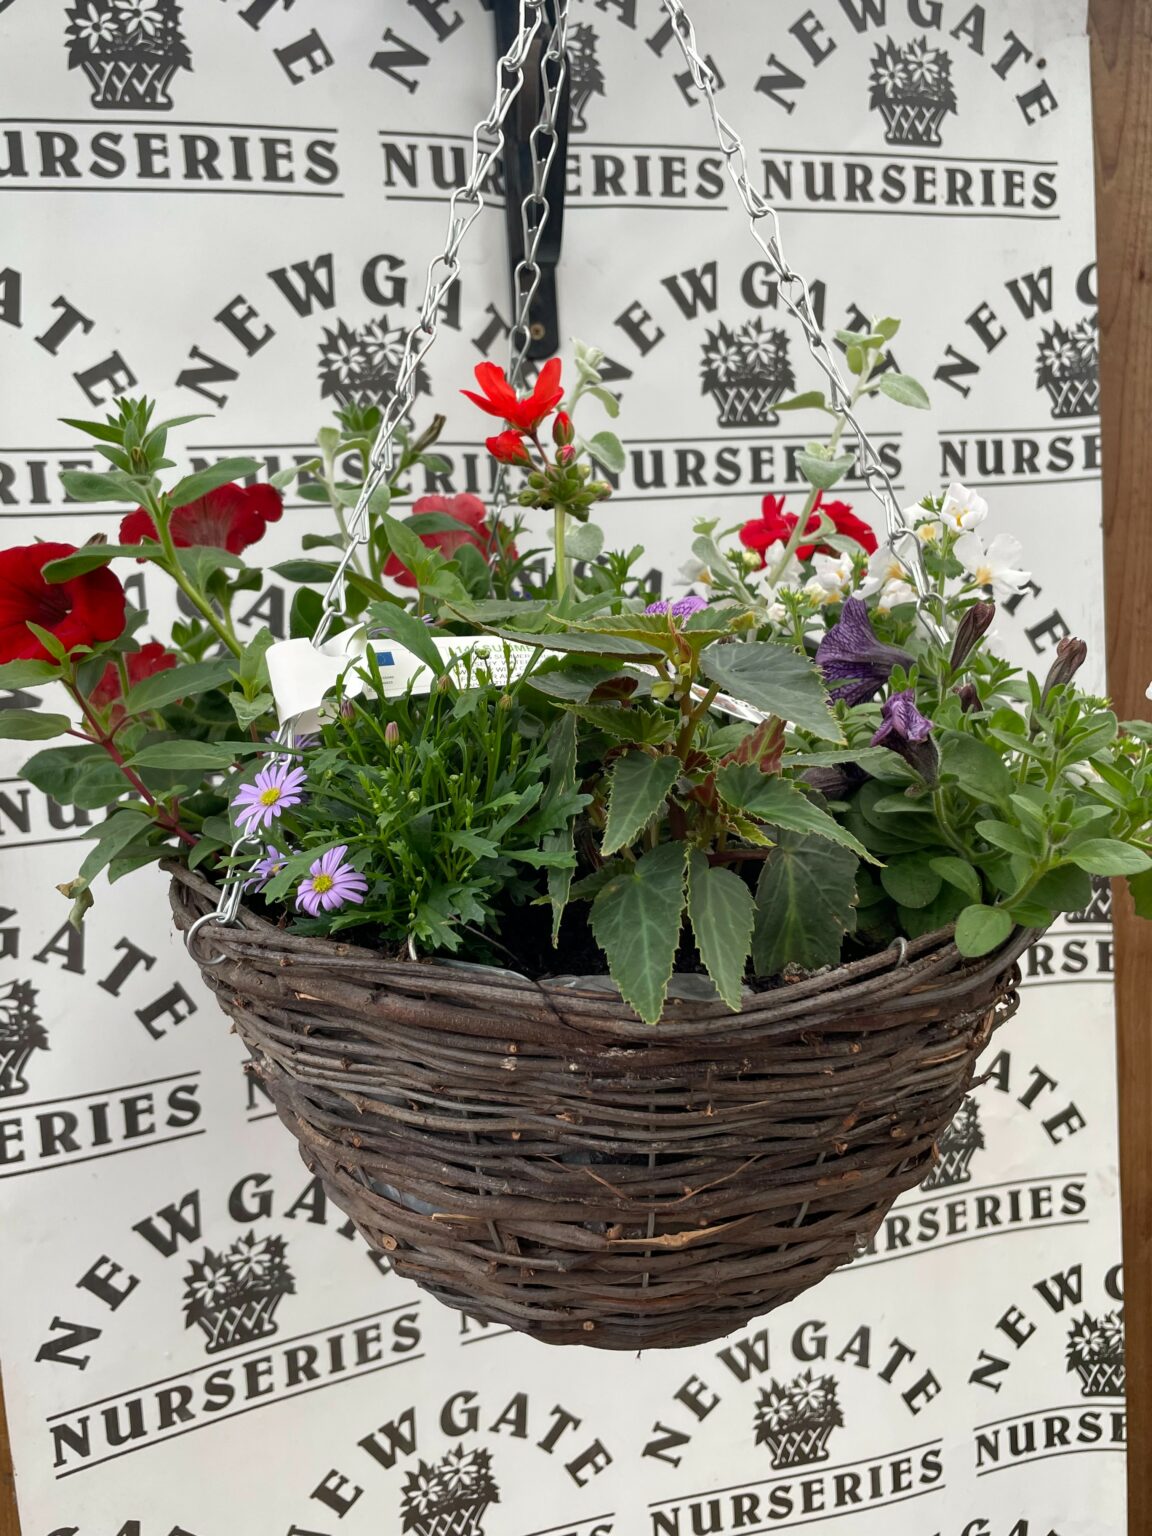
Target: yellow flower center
(322, 883)
(270, 796)
(983, 575)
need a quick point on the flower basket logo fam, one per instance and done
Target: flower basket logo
(359, 367)
(795, 1421)
(957, 1146)
(1096, 1354)
(1099, 909)
(21, 1033)
(584, 71)
(451, 1497)
(129, 49)
(1068, 367)
(233, 1295)
(912, 91)
(746, 371)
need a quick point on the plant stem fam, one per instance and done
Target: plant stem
(224, 631)
(559, 524)
(945, 824)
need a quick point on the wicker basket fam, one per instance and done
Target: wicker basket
(534, 1155)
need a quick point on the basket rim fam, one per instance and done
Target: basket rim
(925, 975)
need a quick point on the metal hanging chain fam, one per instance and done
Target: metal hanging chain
(797, 300)
(463, 211)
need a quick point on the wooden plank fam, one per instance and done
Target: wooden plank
(1121, 33)
(9, 1520)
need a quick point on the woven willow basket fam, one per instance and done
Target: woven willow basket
(533, 1154)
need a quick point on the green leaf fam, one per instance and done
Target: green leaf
(31, 725)
(905, 391)
(911, 881)
(1141, 888)
(636, 920)
(607, 399)
(26, 674)
(210, 479)
(1099, 856)
(959, 874)
(180, 682)
(208, 756)
(112, 838)
(200, 562)
(607, 449)
(978, 768)
(1064, 889)
(91, 558)
(90, 485)
(638, 787)
(1001, 834)
(56, 770)
(585, 541)
(98, 784)
(886, 329)
(813, 400)
(283, 478)
(403, 543)
(981, 929)
(824, 473)
(562, 782)
(585, 645)
(306, 570)
(248, 711)
(803, 904)
(773, 679)
(781, 803)
(722, 913)
(410, 632)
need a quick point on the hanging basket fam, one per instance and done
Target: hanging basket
(533, 1154)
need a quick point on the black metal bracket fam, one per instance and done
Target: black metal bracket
(543, 318)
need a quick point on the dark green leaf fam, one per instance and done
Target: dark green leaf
(561, 784)
(181, 682)
(638, 787)
(210, 479)
(410, 632)
(586, 645)
(981, 929)
(57, 770)
(31, 725)
(1098, 855)
(958, 873)
(1065, 889)
(912, 882)
(91, 558)
(803, 904)
(773, 679)
(112, 838)
(1141, 888)
(812, 400)
(722, 912)
(26, 674)
(636, 920)
(978, 768)
(306, 570)
(1001, 834)
(781, 803)
(90, 485)
(208, 756)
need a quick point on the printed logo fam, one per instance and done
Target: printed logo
(795, 1421)
(232, 1296)
(129, 50)
(584, 72)
(451, 1496)
(1068, 367)
(957, 1147)
(359, 366)
(912, 91)
(746, 371)
(1099, 909)
(1096, 1354)
(21, 1034)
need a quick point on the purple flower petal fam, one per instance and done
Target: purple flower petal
(906, 731)
(851, 656)
(683, 608)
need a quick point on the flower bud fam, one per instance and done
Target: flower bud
(969, 698)
(536, 480)
(347, 710)
(566, 455)
(508, 448)
(563, 432)
(599, 489)
(1070, 654)
(392, 733)
(526, 499)
(971, 627)
(505, 702)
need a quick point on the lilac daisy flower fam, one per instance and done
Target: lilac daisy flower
(906, 731)
(330, 884)
(277, 789)
(267, 868)
(683, 608)
(850, 656)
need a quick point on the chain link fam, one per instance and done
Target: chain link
(797, 300)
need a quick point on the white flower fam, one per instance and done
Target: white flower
(1148, 691)
(140, 17)
(833, 574)
(962, 509)
(883, 568)
(995, 566)
(93, 26)
(894, 593)
(693, 570)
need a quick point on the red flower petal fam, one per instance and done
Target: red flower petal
(83, 611)
(145, 662)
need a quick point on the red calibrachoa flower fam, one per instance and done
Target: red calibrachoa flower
(469, 512)
(774, 526)
(231, 517)
(508, 448)
(84, 611)
(500, 399)
(145, 662)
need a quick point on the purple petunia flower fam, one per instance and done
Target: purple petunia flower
(906, 731)
(277, 789)
(683, 608)
(267, 868)
(850, 656)
(330, 884)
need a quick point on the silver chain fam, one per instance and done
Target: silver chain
(797, 300)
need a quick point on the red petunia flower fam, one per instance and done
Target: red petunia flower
(774, 526)
(231, 517)
(500, 399)
(469, 512)
(508, 448)
(84, 611)
(145, 662)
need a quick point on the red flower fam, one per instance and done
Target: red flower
(83, 611)
(145, 662)
(230, 517)
(774, 526)
(469, 512)
(500, 399)
(508, 448)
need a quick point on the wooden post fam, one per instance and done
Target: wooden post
(9, 1521)
(1121, 33)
